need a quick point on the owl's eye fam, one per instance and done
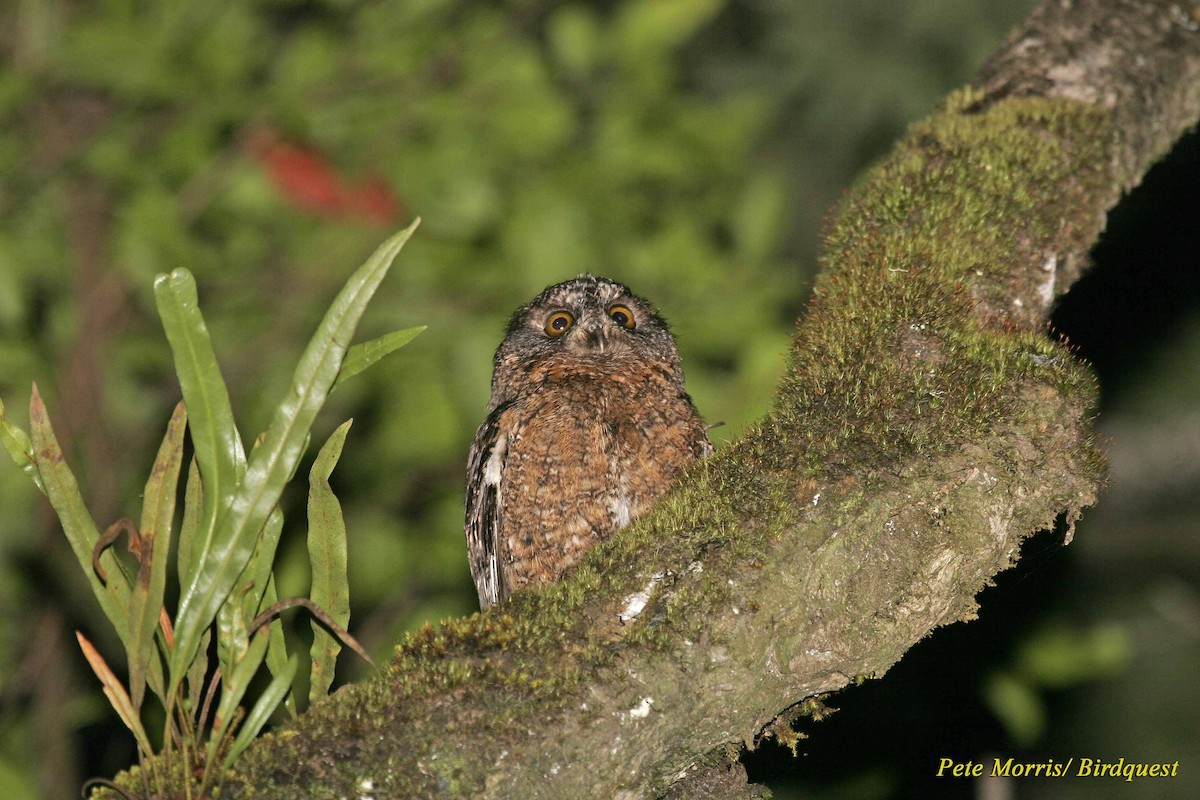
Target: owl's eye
(559, 323)
(622, 316)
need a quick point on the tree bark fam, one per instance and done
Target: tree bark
(925, 427)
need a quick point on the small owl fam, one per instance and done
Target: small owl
(588, 424)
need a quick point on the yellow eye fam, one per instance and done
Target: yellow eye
(559, 323)
(622, 316)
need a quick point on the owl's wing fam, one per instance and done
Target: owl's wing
(485, 467)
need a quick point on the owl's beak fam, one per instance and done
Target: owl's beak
(593, 335)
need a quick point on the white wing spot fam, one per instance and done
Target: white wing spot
(495, 462)
(492, 470)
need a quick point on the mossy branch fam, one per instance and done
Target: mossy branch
(925, 427)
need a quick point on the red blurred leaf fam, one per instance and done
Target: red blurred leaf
(374, 200)
(306, 179)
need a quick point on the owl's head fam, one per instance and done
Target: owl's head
(588, 322)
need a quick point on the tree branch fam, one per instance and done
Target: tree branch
(924, 428)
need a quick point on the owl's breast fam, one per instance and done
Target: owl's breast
(588, 452)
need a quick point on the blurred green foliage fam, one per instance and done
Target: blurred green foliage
(689, 148)
(1052, 658)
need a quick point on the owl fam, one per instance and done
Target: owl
(588, 424)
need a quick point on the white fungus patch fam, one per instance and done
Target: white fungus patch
(642, 709)
(636, 602)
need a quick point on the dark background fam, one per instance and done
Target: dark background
(690, 148)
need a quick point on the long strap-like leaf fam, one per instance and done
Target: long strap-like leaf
(361, 356)
(327, 554)
(63, 491)
(275, 458)
(267, 702)
(218, 447)
(115, 693)
(158, 515)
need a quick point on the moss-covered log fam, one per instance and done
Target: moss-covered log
(927, 424)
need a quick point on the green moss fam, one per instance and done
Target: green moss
(911, 343)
